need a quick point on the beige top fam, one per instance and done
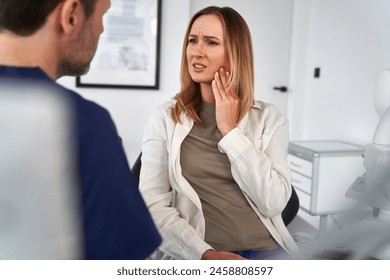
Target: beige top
(231, 223)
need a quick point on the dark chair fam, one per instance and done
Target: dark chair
(288, 213)
(292, 208)
(136, 168)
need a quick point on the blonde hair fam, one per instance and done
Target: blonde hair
(238, 44)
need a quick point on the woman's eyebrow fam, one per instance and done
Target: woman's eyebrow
(205, 36)
(211, 37)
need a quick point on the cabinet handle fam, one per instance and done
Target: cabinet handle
(281, 89)
(295, 165)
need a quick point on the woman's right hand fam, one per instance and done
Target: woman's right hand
(227, 103)
(220, 255)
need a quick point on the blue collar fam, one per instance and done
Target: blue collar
(23, 72)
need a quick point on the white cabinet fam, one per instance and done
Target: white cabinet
(322, 172)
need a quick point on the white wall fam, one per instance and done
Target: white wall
(350, 41)
(130, 108)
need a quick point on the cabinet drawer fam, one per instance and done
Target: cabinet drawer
(301, 182)
(304, 199)
(300, 165)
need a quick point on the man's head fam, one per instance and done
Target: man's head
(73, 26)
(24, 17)
(82, 42)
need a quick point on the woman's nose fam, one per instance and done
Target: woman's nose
(199, 50)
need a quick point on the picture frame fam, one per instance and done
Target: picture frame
(128, 54)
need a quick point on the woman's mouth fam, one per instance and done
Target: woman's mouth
(198, 66)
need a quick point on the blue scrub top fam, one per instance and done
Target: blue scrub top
(116, 222)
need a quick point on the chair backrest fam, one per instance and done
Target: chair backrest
(136, 168)
(291, 209)
(288, 214)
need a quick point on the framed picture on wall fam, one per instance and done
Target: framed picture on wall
(129, 48)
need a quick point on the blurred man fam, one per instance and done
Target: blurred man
(42, 41)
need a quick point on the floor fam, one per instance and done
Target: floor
(353, 236)
(302, 231)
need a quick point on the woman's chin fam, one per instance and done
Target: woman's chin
(202, 80)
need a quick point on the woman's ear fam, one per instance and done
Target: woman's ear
(71, 15)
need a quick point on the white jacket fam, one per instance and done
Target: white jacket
(257, 150)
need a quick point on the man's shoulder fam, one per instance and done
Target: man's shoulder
(84, 105)
(86, 111)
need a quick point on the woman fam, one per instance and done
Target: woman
(214, 167)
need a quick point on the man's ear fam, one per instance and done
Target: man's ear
(71, 15)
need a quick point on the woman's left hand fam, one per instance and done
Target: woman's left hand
(227, 103)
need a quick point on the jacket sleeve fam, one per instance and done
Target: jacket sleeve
(180, 239)
(260, 166)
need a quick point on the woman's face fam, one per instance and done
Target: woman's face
(206, 52)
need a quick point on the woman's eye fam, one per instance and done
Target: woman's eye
(192, 40)
(212, 43)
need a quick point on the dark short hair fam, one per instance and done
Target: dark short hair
(25, 17)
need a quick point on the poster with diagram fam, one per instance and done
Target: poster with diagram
(128, 52)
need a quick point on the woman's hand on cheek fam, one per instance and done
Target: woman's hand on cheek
(227, 103)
